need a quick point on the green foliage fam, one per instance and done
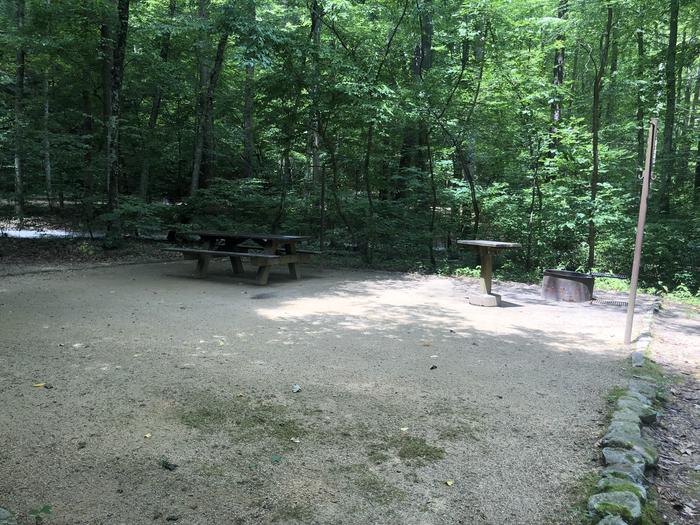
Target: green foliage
(135, 216)
(402, 153)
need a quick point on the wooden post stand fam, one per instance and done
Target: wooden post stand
(646, 182)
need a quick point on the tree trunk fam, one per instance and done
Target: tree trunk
(107, 51)
(88, 180)
(595, 128)
(558, 79)
(19, 110)
(46, 142)
(667, 153)
(207, 106)
(433, 203)
(696, 181)
(200, 129)
(114, 52)
(249, 165)
(611, 91)
(696, 185)
(249, 169)
(144, 183)
(316, 18)
(369, 238)
(685, 134)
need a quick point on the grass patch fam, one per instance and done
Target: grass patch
(407, 448)
(412, 448)
(650, 514)
(371, 486)
(377, 456)
(579, 493)
(297, 512)
(650, 369)
(614, 394)
(457, 432)
(243, 419)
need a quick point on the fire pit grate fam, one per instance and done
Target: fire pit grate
(609, 302)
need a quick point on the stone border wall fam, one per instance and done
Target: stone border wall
(627, 454)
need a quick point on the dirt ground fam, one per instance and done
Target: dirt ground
(676, 347)
(167, 398)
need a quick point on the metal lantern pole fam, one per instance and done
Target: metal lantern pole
(646, 182)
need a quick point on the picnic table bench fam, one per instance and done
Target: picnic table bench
(262, 250)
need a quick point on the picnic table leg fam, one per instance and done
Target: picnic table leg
(294, 271)
(236, 264)
(263, 275)
(485, 297)
(203, 264)
(486, 271)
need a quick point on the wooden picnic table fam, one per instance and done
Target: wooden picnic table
(487, 249)
(264, 250)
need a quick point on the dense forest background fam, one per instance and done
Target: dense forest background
(385, 128)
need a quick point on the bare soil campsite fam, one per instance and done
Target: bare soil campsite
(141, 394)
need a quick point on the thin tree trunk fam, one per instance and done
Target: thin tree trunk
(331, 148)
(611, 91)
(19, 110)
(595, 128)
(574, 76)
(696, 185)
(249, 167)
(696, 181)
(687, 126)
(316, 19)
(322, 209)
(412, 156)
(667, 153)
(144, 183)
(46, 143)
(369, 239)
(208, 104)
(107, 51)
(89, 179)
(433, 203)
(46, 139)
(201, 128)
(115, 85)
(558, 79)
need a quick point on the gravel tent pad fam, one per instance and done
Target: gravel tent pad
(169, 398)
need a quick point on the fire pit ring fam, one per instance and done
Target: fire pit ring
(565, 285)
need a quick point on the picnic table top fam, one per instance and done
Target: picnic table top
(246, 235)
(490, 244)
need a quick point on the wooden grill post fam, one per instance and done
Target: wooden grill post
(646, 182)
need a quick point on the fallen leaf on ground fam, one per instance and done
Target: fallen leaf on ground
(39, 385)
(449, 482)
